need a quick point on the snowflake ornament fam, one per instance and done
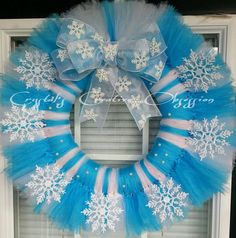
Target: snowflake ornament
(76, 28)
(135, 101)
(208, 137)
(103, 211)
(123, 84)
(167, 200)
(47, 184)
(90, 114)
(97, 94)
(23, 123)
(199, 71)
(85, 50)
(62, 55)
(36, 69)
(154, 46)
(140, 60)
(102, 75)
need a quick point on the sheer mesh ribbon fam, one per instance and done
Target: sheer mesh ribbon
(117, 66)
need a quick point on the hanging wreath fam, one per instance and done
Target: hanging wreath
(148, 57)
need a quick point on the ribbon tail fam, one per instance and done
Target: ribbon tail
(99, 96)
(137, 98)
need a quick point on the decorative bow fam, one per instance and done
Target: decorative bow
(118, 66)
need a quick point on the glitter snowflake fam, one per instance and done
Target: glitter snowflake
(135, 101)
(110, 51)
(103, 211)
(23, 123)
(97, 94)
(90, 114)
(167, 200)
(98, 38)
(47, 184)
(123, 84)
(143, 120)
(159, 68)
(62, 55)
(199, 71)
(37, 69)
(140, 60)
(102, 75)
(208, 137)
(154, 46)
(76, 28)
(85, 50)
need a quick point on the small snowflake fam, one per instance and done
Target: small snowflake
(90, 114)
(47, 184)
(143, 120)
(85, 50)
(110, 51)
(37, 69)
(154, 47)
(159, 68)
(77, 29)
(167, 200)
(62, 55)
(97, 94)
(102, 75)
(140, 60)
(103, 211)
(199, 70)
(23, 123)
(135, 101)
(208, 137)
(98, 38)
(123, 84)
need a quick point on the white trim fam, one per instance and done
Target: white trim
(224, 24)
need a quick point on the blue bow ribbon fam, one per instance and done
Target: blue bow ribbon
(117, 66)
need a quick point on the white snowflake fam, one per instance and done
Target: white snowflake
(199, 71)
(167, 200)
(23, 123)
(123, 84)
(62, 55)
(102, 75)
(140, 59)
(110, 51)
(208, 137)
(98, 38)
(97, 94)
(37, 69)
(154, 46)
(76, 28)
(159, 68)
(143, 120)
(103, 211)
(85, 50)
(47, 184)
(90, 114)
(135, 101)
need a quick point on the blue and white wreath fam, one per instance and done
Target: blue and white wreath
(147, 56)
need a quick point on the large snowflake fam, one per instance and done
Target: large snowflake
(140, 60)
(167, 200)
(97, 94)
(103, 211)
(47, 184)
(110, 51)
(199, 71)
(36, 69)
(135, 101)
(123, 84)
(23, 123)
(208, 137)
